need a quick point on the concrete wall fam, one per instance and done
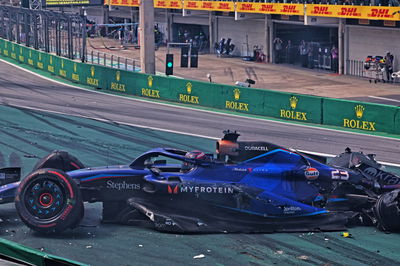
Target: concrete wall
(238, 30)
(364, 41)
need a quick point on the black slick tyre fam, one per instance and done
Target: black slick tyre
(49, 201)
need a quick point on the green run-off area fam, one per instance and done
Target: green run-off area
(26, 135)
(360, 116)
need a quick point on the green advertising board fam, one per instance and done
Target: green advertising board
(358, 115)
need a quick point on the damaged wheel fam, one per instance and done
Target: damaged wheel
(387, 211)
(48, 200)
(61, 160)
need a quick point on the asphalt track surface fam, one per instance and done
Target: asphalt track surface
(29, 134)
(18, 88)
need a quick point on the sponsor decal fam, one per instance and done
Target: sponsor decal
(311, 173)
(91, 80)
(40, 64)
(173, 190)
(358, 123)
(21, 57)
(187, 98)
(66, 212)
(349, 12)
(379, 13)
(267, 8)
(240, 169)
(255, 148)
(247, 7)
(116, 85)
(74, 75)
(340, 175)
(199, 189)
(49, 67)
(235, 105)
(290, 9)
(292, 114)
(291, 209)
(62, 72)
(122, 185)
(380, 175)
(321, 10)
(148, 92)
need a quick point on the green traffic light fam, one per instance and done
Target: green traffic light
(169, 64)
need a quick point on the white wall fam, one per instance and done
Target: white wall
(364, 41)
(237, 31)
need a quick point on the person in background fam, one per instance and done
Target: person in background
(278, 43)
(334, 55)
(389, 66)
(303, 53)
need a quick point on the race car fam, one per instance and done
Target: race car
(248, 186)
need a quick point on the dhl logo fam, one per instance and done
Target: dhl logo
(192, 4)
(224, 6)
(379, 13)
(207, 5)
(161, 4)
(174, 4)
(290, 9)
(124, 2)
(321, 10)
(349, 12)
(114, 2)
(247, 7)
(268, 8)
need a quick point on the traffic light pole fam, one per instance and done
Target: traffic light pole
(146, 32)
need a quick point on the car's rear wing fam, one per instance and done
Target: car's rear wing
(9, 175)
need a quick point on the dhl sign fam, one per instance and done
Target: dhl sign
(357, 12)
(122, 2)
(228, 6)
(270, 8)
(173, 4)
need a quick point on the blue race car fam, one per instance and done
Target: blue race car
(249, 186)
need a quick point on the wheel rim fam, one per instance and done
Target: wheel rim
(45, 198)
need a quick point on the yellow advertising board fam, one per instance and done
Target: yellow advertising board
(173, 4)
(270, 8)
(356, 12)
(122, 2)
(228, 6)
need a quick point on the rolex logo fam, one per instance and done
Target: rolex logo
(5, 45)
(62, 63)
(12, 47)
(359, 111)
(118, 76)
(40, 57)
(236, 94)
(30, 53)
(74, 67)
(293, 102)
(20, 50)
(92, 71)
(51, 60)
(189, 87)
(150, 81)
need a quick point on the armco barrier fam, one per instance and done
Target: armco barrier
(282, 105)
(357, 115)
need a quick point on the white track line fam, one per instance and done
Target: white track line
(182, 107)
(383, 98)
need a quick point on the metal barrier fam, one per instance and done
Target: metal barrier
(113, 61)
(355, 68)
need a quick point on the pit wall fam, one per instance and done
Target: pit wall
(362, 116)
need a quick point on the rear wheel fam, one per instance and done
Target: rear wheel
(48, 200)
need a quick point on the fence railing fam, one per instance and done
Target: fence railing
(113, 61)
(355, 68)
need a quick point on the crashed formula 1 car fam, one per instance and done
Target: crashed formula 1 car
(250, 186)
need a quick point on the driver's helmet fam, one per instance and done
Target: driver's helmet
(197, 155)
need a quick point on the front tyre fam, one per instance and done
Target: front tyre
(387, 211)
(49, 201)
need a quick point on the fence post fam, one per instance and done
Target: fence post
(91, 55)
(133, 65)
(118, 62)
(112, 61)
(126, 63)
(98, 58)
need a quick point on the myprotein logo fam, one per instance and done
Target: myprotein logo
(122, 185)
(199, 189)
(321, 10)
(358, 123)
